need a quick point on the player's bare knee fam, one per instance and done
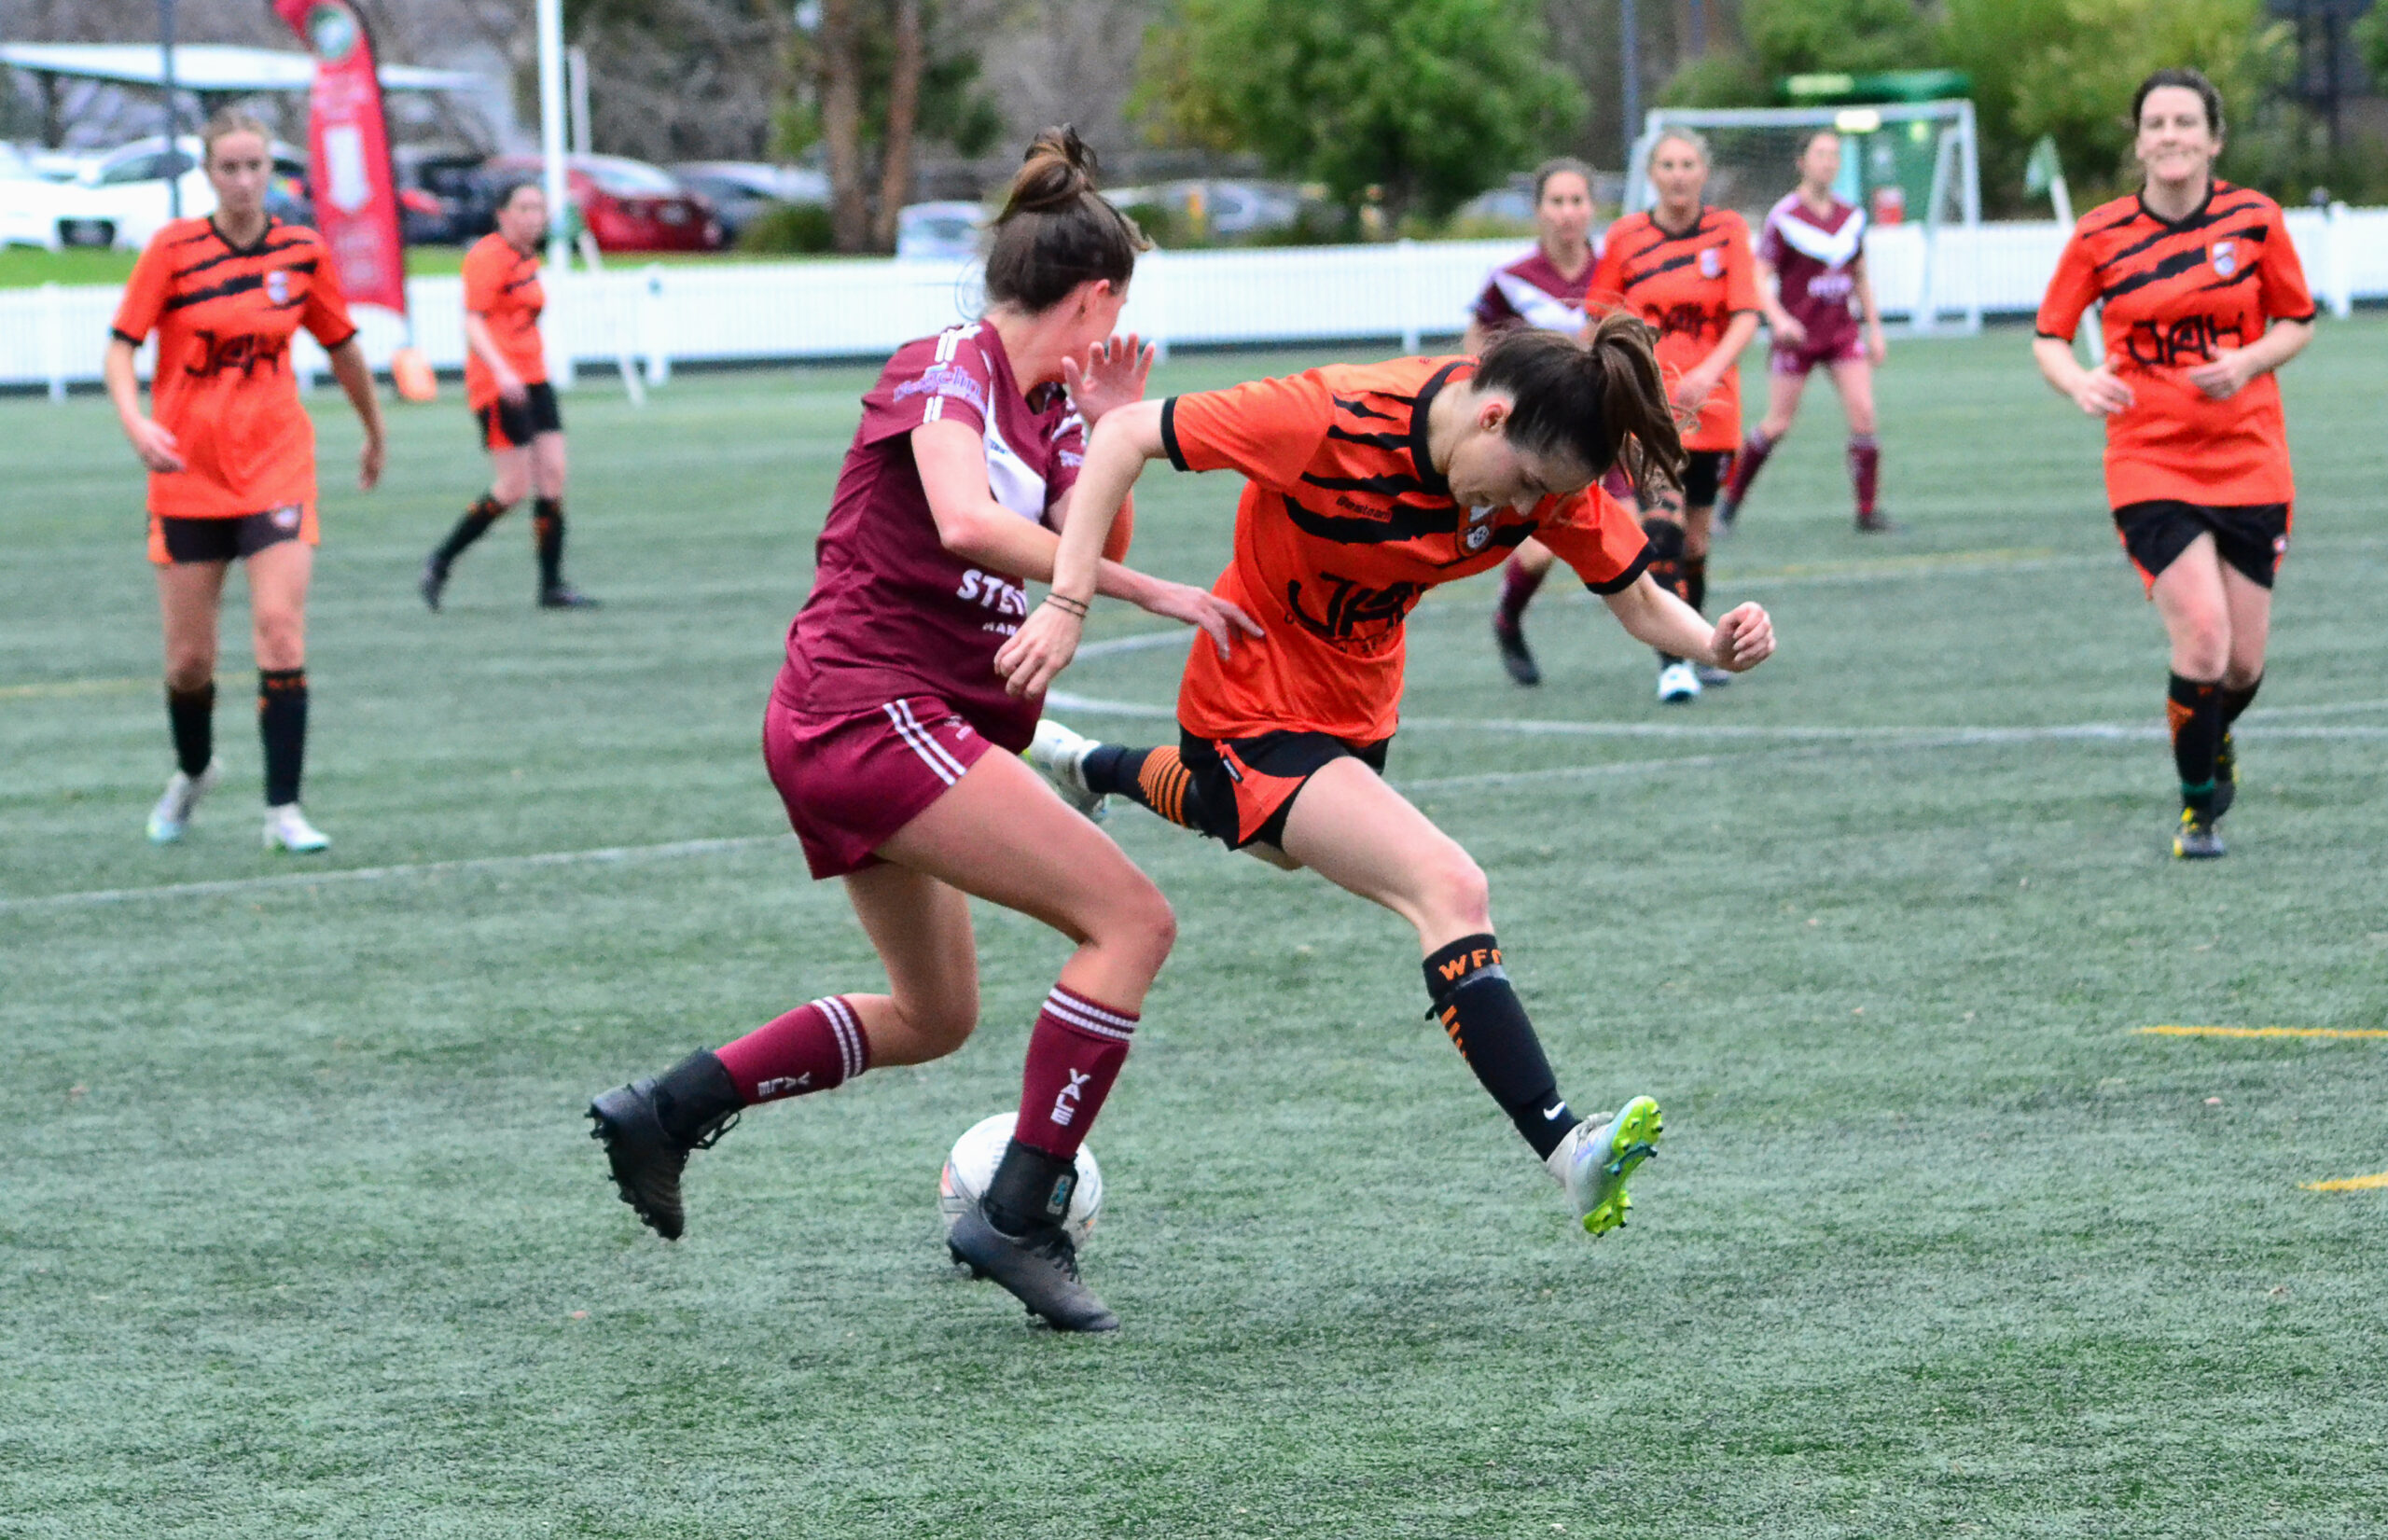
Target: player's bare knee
(1456, 892)
(942, 1026)
(2202, 648)
(1144, 927)
(189, 668)
(281, 641)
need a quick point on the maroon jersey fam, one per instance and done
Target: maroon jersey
(1531, 292)
(893, 612)
(1811, 256)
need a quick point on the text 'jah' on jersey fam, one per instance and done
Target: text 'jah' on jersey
(1813, 256)
(2174, 296)
(1531, 292)
(502, 286)
(893, 612)
(1689, 284)
(1344, 524)
(224, 316)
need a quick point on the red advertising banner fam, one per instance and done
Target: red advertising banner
(348, 145)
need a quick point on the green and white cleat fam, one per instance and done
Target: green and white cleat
(1593, 1162)
(286, 830)
(171, 815)
(1058, 754)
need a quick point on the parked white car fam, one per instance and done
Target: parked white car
(130, 185)
(938, 232)
(37, 211)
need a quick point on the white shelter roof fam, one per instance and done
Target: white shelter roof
(208, 68)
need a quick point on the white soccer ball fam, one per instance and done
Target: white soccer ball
(972, 1166)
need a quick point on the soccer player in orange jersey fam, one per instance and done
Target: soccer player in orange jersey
(506, 386)
(232, 458)
(1364, 487)
(2204, 297)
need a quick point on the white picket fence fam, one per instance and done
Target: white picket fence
(652, 317)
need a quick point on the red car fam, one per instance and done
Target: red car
(627, 205)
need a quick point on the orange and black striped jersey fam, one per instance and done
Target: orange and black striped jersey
(224, 315)
(502, 286)
(2176, 295)
(1689, 284)
(1344, 526)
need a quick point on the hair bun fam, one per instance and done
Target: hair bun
(1058, 169)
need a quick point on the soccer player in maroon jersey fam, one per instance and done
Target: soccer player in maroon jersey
(2203, 300)
(1812, 264)
(1543, 289)
(895, 744)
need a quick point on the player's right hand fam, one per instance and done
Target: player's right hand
(1788, 329)
(155, 446)
(1219, 620)
(1038, 651)
(514, 391)
(2099, 394)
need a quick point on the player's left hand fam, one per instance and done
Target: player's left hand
(370, 462)
(1114, 374)
(1745, 638)
(1038, 651)
(1878, 352)
(1693, 391)
(2225, 377)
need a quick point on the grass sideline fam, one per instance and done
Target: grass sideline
(300, 1232)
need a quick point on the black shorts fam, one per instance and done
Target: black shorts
(1703, 477)
(1246, 786)
(511, 425)
(2253, 538)
(175, 542)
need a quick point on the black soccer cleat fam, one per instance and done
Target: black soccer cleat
(434, 582)
(649, 1126)
(2226, 775)
(1510, 637)
(1040, 1269)
(1877, 522)
(564, 596)
(2197, 840)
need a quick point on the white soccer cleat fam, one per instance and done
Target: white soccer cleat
(171, 815)
(1592, 1163)
(1678, 685)
(1060, 755)
(286, 830)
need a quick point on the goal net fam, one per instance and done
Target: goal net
(1911, 166)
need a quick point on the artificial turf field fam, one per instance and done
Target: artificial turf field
(300, 1231)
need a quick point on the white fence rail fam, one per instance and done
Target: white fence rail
(730, 312)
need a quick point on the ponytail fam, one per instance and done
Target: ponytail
(1602, 402)
(1055, 232)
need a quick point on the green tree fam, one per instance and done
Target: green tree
(1429, 101)
(1801, 37)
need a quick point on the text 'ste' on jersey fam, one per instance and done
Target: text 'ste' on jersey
(1813, 255)
(893, 612)
(1531, 292)
(1689, 284)
(224, 316)
(2174, 296)
(1344, 524)
(502, 286)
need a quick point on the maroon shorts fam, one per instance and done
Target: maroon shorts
(1847, 348)
(851, 781)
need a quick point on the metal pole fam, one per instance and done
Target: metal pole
(166, 77)
(1629, 48)
(551, 104)
(577, 76)
(1699, 29)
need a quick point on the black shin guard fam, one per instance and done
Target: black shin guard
(1029, 1188)
(191, 714)
(1695, 581)
(547, 526)
(2194, 709)
(475, 524)
(282, 723)
(1476, 1006)
(1155, 779)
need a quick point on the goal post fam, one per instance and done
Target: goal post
(1912, 166)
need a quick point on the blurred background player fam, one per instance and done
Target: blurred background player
(879, 732)
(1365, 486)
(2205, 298)
(232, 458)
(506, 386)
(1685, 269)
(1544, 289)
(1812, 263)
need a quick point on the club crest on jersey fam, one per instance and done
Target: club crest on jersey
(1711, 262)
(2225, 257)
(1479, 529)
(277, 286)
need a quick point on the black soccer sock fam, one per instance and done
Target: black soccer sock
(1150, 778)
(191, 713)
(2236, 698)
(1666, 561)
(1476, 1006)
(1029, 1188)
(547, 524)
(475, 524)
(2194, 709)
(281, 722)
(1695, 581)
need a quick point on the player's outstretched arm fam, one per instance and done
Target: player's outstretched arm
(1741, 641)
(355, 379)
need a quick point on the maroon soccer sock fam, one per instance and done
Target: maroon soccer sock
(815, 1047)
(1747, 465)
(1864, 471)
(1074, 1053)
(1518, 583)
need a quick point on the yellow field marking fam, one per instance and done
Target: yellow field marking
(2264, 1031)
(2349, 1183)
(51, 688)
